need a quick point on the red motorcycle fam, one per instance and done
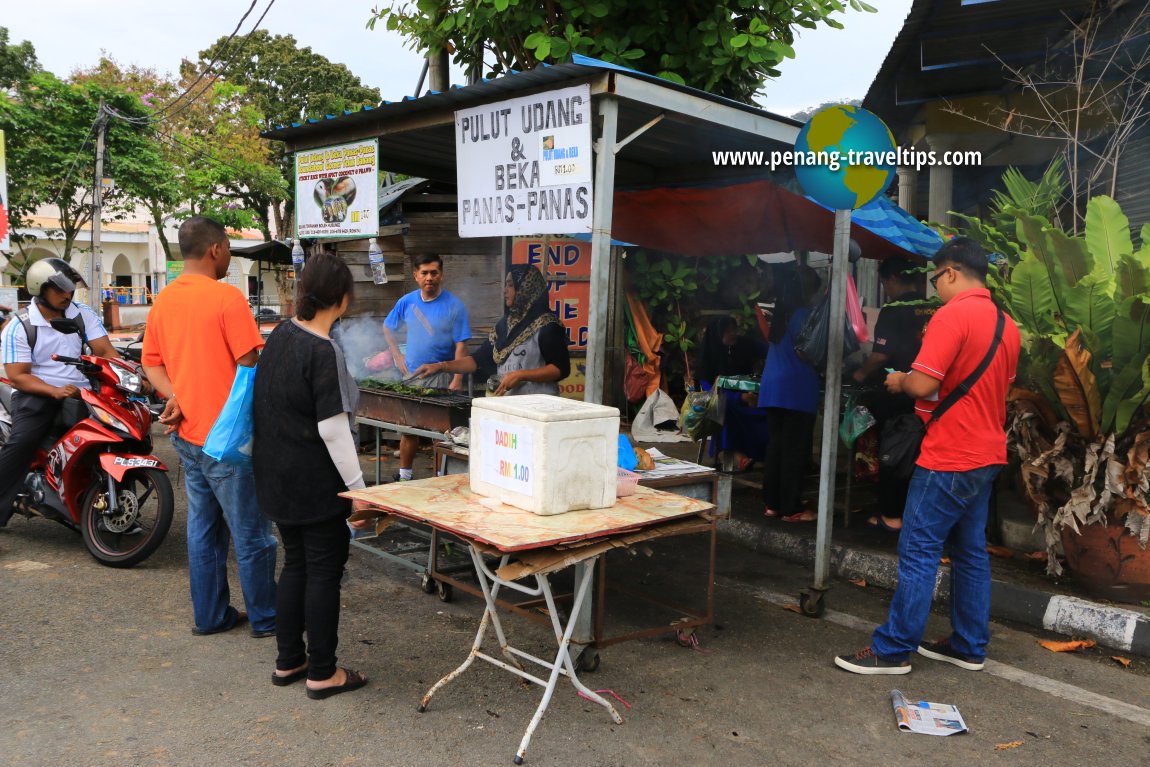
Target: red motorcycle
(100, 476)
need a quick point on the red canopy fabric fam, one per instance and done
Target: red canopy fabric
(734, 220)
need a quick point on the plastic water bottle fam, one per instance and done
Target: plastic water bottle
(297, 257)
(375, 258)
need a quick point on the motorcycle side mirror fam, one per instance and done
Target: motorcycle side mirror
(66, 325)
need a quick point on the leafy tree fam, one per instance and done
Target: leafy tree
(728, 47)
(806, 114)
(210, 140)
(17, 62)
(51, 126)
(282, 83)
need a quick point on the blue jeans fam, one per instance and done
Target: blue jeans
(222, 504)
(943, 508)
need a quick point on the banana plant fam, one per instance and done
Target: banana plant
(1082, 304)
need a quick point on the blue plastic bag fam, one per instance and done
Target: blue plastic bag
(627, 459)
(230, 440)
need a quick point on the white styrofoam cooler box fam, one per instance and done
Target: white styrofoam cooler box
(544, 454)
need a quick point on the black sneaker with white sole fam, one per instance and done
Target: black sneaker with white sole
(866, 662)
(941, 650)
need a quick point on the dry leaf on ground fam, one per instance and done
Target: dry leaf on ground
(1071, 646)
(793, 608)
(1124, 662)
(860, 582)
(1037, 556)
(1005, 746)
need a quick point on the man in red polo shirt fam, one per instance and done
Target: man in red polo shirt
(962, 453)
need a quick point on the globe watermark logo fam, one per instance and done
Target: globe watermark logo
(845, 157)
(849, 157)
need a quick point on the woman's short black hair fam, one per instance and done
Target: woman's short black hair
(322, 283)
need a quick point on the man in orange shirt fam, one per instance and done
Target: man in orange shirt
(199, 330)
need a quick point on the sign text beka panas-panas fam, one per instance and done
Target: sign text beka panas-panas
(524, 166)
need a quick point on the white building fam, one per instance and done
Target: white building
(133, 264)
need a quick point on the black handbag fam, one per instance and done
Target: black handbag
(901, 439)
(813, 338)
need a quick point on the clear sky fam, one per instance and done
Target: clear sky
(70, 34)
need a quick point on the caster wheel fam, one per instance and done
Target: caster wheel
(518, 760)
(589, 660)
(427, 584)
(421, 709)
(812, 603)
(444, 591)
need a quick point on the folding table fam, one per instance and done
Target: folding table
(532, 546)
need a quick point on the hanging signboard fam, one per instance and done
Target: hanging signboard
(4, 234)
(337, 191)
(523, 166)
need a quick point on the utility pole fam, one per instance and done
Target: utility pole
(95, 297)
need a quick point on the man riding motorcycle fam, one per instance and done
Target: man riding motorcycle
(43, 385)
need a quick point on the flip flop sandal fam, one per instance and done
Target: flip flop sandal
(770, 513)
(355, 680)
(284, 681)
(806, 515)
(878, 523)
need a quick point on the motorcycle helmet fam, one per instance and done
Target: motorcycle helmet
(52, 271)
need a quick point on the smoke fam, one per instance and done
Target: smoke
(361, 338)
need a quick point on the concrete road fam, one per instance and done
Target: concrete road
(98, 667)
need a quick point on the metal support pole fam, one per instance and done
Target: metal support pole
(838, 291)
(602, 214)
(95, 297)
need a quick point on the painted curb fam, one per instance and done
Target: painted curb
(1110, 626)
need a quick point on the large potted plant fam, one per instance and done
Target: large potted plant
(1077, 421)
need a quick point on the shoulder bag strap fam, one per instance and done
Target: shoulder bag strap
(969, 382)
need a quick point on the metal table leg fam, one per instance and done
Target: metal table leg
(562, 663)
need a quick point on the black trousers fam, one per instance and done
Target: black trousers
(892, 489)
(788, 455)
(32, 420)
(307, 598)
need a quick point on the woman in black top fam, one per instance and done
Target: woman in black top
(724, 352)
(527, 347)
(303, 455)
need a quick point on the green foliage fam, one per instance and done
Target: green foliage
(729, 47)
(676, 289)
(49, 127)
(1095, 285)
(276, 82)
(17, 62)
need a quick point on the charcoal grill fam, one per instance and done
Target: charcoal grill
(438, 412)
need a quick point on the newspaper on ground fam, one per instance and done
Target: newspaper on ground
(926, 718)
(666, 466)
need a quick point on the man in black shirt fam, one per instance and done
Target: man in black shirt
(897, 338)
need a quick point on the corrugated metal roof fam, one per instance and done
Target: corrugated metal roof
(508, 85)
(417, 135)
(956, 48)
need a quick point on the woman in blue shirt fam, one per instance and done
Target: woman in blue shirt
(789, 392)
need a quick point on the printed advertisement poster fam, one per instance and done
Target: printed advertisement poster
(567, 266)
(337, 191)
(4, 228)
(506, 452)
(524, 165)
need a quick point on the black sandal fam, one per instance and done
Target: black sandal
(284, 681)
(355, 680)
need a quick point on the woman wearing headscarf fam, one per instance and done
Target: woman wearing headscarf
(527, 347)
